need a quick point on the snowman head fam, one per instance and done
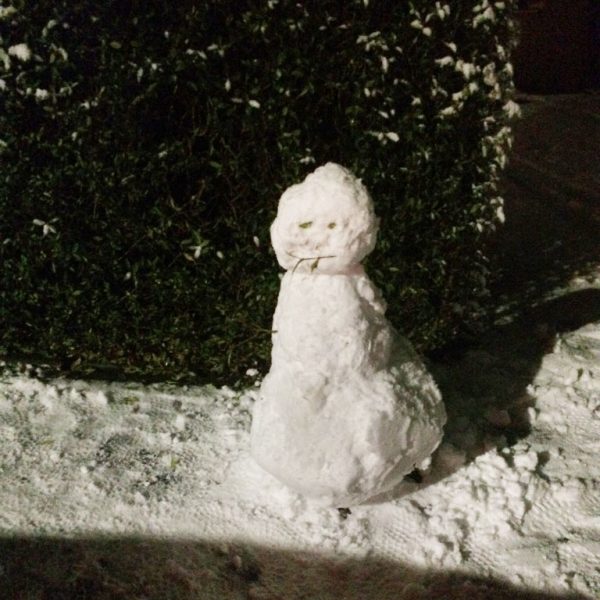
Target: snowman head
(326, 224)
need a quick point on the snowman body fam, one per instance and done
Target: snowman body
(347, 408)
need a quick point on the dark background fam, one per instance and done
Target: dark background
(559, 46)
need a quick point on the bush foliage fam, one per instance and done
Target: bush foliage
(144, 146)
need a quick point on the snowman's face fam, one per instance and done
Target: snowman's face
(325, 224)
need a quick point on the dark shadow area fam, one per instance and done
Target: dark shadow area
(128, 568)
(557, 49)
(71, 368)
(551, 189)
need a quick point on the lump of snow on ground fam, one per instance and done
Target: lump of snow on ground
(167, 465)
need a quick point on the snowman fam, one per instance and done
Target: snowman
(347, 408)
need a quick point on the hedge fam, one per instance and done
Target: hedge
(144, 146)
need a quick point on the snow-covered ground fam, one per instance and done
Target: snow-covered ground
(128, 491)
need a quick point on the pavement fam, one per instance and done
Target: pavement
(552, 194)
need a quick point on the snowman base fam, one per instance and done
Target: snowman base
(361, 442)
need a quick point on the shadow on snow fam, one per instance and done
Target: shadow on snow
(129, 568)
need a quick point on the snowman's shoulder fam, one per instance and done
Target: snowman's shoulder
(367, 290)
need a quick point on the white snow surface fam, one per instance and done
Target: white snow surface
(347, 408)
(84, 459)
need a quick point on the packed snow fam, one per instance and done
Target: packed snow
(511, 501)
(326, 223)
(348, 408)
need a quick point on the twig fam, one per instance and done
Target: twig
(301, 260)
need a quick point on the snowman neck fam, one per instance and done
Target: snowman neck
(355, 269)
(350, 271)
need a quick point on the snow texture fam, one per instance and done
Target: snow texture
(82, 460)
(348, 408)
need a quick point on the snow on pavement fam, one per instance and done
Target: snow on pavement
(82, 459)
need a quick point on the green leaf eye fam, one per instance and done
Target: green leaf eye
(305, 225)
(331, 225)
